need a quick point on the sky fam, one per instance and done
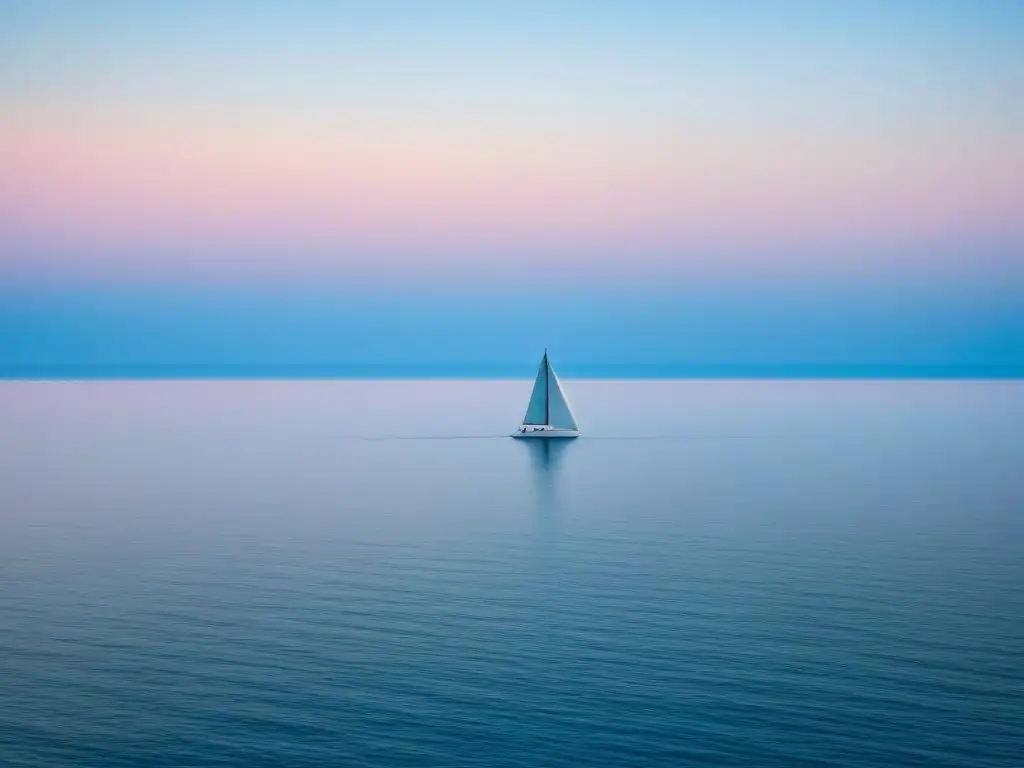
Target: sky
(745, 182)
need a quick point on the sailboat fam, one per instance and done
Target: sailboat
(548, 414)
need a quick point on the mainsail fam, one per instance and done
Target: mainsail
(537, 410)
(548, 406)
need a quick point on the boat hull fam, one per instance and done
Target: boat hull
(546, 434)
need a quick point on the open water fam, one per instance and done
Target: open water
(370, 573)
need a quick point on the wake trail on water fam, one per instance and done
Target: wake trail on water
(587, 438)
(432, 437)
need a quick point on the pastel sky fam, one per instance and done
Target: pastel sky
(476, 147)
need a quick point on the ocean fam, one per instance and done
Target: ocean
(371, 573)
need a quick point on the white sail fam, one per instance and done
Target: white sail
(537, 410)
(559, 413)
(548, 413)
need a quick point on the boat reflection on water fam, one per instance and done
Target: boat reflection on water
(546, 460)
(546, 456)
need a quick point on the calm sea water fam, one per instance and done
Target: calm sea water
(370, 574)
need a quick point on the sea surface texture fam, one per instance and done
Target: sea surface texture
(371, 573)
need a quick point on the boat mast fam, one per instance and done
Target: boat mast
(547, 388)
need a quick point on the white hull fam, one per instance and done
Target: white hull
(546, 432)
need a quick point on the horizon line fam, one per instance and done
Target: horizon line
(503, 371)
